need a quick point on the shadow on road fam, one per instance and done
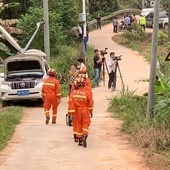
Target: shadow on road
(27, 103)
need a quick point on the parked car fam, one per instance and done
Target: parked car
(23, 77)
(23, 73)
(146, 11)
(163, 15)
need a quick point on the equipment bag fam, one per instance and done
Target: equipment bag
(69, 120)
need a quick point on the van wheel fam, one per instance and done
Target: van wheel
(5, 103)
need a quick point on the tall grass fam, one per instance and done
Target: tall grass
(130, 108)
(9, 118)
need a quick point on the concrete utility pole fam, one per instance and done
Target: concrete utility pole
(152, 78)
(84, 26)
(143, 4)
(46, 30)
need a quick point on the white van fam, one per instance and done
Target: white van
(146, 11)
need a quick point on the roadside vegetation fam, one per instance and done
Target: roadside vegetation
(9, 118)
(154, 136)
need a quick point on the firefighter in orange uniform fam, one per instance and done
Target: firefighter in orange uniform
(51, 95)
(81, 107)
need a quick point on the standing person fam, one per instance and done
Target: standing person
(134, 18)
(112, 72)
(142, 22)
(81, 106)
(51, 95)
(98, 22)
(97, 67)
(80, 32)
(87, 31)
(115, 25)
(127, 20)
(81, 66)
(73, 73)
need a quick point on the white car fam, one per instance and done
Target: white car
(23, 77)
(146, 11)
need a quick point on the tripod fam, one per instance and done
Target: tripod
(103, 68)
(118, 67)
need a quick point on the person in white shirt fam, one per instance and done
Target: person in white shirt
(80, 32)
(112, 72)
(127, 20)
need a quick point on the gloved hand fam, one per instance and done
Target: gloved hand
(91, 115)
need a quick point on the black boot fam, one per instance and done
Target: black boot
(47, 119)
(75, 138)
(84, 141)
(80, 142)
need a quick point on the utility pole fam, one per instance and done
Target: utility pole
(46, 29)
(152, 78)
(143, 4)
(84, 26)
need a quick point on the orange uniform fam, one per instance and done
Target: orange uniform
(51, 95)
(81, 106)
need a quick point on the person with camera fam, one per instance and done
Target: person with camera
(112, 63)
(97, 67)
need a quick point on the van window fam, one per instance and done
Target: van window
(163, 14)
(150, 15)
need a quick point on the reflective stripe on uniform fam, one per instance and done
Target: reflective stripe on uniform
(54, 115)
(78, 133)
(49, 84)
(86, 130)
(59, 94)
(46, 111)
(79, 96)
(71, 111)
(90, 108)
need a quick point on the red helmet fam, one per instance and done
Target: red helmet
(80, 81)
(51, 72)
(81, 75)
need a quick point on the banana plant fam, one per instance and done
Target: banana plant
(162, 106)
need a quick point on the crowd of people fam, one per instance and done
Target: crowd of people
(126, 22)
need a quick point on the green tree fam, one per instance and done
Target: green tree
(103, 6)
(63, 15)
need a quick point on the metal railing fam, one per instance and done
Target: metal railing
(123, 11)
(109, 17)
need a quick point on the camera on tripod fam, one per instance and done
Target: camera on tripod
(117, 58)
(103, 52)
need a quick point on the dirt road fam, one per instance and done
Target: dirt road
(36, 146)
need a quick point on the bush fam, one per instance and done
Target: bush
(162, 38)
(135, 33)
(9, 118)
